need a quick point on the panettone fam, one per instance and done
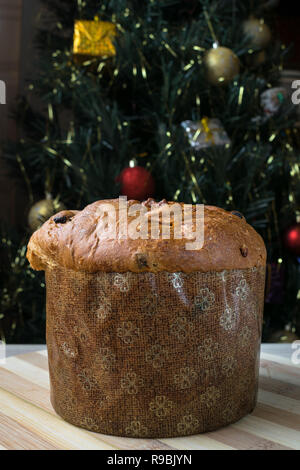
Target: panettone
(146, 338)
(229, 243)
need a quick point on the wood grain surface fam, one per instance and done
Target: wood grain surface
(27, 420)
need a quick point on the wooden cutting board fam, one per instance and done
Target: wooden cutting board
(27, 420)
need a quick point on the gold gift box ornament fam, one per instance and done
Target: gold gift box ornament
(205, 133)
(94, 38)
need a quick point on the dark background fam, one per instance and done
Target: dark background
(17, 27)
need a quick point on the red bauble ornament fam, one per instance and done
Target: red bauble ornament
(292, 239)
(136, 183)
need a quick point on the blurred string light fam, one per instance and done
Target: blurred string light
(241, 94)
(178, 191)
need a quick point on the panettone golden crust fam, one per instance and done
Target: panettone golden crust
(73, 239)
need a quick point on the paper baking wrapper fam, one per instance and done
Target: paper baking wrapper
(154, 355)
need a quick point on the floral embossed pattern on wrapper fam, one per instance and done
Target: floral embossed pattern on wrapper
(94, 38)
(164, 347)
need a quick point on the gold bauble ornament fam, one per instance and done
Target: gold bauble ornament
(222, 65)
(42, 210)
(258, 32)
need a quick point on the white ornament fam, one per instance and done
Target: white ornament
(272, 99)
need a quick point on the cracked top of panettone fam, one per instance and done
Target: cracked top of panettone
(88, 241)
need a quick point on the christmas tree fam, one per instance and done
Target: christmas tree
(173, 99)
